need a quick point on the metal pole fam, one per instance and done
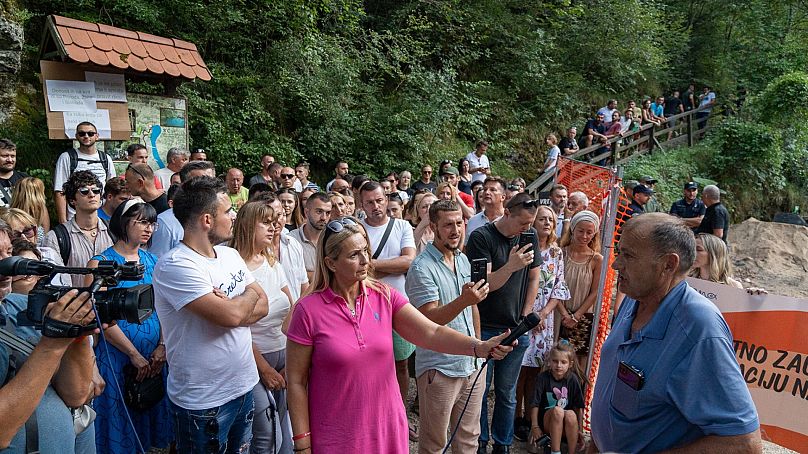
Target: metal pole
(608, 236)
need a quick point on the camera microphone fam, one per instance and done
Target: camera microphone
(20, 266)
(528, 323)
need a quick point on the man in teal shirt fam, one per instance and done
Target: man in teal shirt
(438, 285)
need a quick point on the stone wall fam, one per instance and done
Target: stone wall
(11, 43)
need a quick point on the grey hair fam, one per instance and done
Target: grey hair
(672, 236)
(712, 192)
(580, 196)
(173, 152)
(4, 227)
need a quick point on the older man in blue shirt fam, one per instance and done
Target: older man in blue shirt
(668, 377)
(438, 285)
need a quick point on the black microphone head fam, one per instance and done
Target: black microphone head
(10, 265)
(531, 320)
(21, 266)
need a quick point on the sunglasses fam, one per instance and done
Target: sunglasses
(287, 176)
(426, 171)
(86, 133)
(530, 203)
(336, 226)
(28, 232)
(86, 191)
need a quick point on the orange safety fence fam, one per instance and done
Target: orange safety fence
(597, 182)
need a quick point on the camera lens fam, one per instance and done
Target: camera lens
(133, 304)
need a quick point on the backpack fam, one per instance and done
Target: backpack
(63, 240)
(74, 160)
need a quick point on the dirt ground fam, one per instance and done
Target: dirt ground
(771, 255)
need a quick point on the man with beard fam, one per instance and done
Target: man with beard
(438, 284)
(206, 299)
(318, 212)
(8, 176)
(558, 202)
(689, 207)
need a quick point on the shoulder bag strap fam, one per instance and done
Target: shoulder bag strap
(386, 235)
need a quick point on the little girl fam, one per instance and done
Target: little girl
(558, 401)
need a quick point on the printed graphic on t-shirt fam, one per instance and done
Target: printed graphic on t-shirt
(557, 398)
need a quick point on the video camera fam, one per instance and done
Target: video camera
(133, 304)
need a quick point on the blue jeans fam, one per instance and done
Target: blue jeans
(223, 429)
(505, 373)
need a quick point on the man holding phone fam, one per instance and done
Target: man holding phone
(513, 283)
(438, 285)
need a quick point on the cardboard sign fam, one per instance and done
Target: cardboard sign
(768, 336)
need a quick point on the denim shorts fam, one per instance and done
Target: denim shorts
(223, 429)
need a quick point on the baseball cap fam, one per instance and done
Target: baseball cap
(691, 185)
(648, 179)
(640, 189)
(450, 171)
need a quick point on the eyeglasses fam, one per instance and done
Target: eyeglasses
(28, 232)
(287, 176)
(146, 224)
(85, 191)
(85, 133)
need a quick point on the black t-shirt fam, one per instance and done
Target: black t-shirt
(7, 186)
(419, 185)
(686, 100)
(672, 106)
(549, 392)
(566, 142)
(160, 204)
(502, 308)
(592, 124)
(715, 217)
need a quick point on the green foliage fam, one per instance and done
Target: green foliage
(672, 168)
(748, 155)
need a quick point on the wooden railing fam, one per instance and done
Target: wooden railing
(632, 144)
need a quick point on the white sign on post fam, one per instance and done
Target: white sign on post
(71, 96)
(99, 118)
(108, 87)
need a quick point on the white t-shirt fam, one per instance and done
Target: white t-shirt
(209, 365)
(475, 162)
(266, 333)
(709, 97)
(552, 157)
(293, 264)
(400, 237)
(62, 172)
(164, 175)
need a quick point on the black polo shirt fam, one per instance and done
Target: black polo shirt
(684, 210)
(715, 217)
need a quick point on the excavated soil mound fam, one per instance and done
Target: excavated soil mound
(771, 255)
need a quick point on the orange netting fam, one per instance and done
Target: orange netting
(596, 182)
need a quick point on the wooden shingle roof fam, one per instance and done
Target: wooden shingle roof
(102, 45)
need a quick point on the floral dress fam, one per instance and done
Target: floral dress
(551, 285)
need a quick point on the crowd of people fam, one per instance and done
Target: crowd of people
(610, 121)
(289, 318)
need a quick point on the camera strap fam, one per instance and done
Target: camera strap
(15, 342)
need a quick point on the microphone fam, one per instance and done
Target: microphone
(20, 266)
(527, 324)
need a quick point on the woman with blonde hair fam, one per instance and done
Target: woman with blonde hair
(340, 352)
(447, 191)
(253, 232)
(423, 233)
(552, 154)
(582, 261)
(712, 261)
(29, 196)
(337, 205)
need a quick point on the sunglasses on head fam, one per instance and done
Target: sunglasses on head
(86, 191)
(287, 176)
(86, 133)
(129, 167)
(336, 226)
(530, 203)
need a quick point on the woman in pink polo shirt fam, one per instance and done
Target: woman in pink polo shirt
(342, 391)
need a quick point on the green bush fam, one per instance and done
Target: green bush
(672, 168)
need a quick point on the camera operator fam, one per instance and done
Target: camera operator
(57, 375)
